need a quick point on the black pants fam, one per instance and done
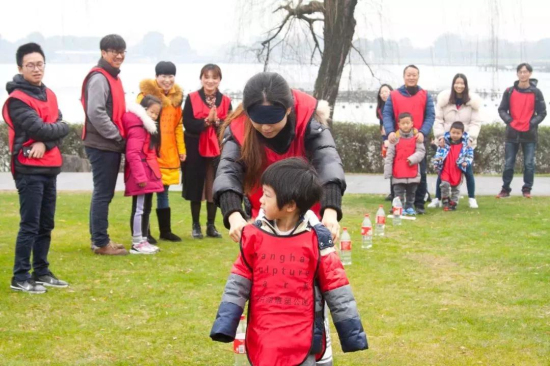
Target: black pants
(422, 187)
(37, 198)
(141, 211)
(105, 166)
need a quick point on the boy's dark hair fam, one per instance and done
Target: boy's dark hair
(410, 66)
(404, 115)
(295, 180)
(458, 126)
(112, 42)
(25, 50)
(527, 66)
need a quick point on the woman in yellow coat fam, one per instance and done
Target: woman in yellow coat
(172, 148)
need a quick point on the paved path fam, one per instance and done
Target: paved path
(357, 183)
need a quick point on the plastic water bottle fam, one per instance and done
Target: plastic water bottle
(238, 344)
(380, 221)
(345, 248)
(366, 233)
(397, 211)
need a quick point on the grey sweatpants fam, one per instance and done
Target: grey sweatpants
(449, 191)
(403, 190)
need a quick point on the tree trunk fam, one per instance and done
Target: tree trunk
(338, 35)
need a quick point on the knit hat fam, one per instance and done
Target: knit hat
(165, 68)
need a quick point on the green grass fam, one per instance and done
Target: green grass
(452, 288)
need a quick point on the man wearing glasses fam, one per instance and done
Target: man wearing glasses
(103, 136)
(35, 132)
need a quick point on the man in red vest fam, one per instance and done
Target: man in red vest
(412, 99)
(35, 130)
(103, 136)
(522, 109)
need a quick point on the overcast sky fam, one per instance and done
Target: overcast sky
(209, 24)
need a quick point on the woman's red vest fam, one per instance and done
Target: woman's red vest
(403, 149)
(48, 111)
(117, 94)
(304, 108)
(208, 140)
(414, 104)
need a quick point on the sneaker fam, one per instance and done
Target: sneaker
(445, 204)
(49, 280)
(143, 248)
(111, 249)
(409, 212)
(452, 205)
(473, 203)
(527, 194)
(503, 194)
(435, 203)
(420, 210)
(28, 286)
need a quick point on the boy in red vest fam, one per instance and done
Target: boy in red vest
(35, 132)
(402, 162)
(451, 161)
(285, 268)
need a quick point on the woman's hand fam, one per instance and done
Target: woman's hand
(213, 115)
(183, 157)
(330, 220)
(37, 150)
(236, 224)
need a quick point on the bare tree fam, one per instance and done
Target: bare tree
(335, 18)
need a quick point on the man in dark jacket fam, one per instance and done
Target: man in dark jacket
(36, 130)
(522, 109)
(412, 99)
(103, 102)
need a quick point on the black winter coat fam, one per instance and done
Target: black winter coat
(28, 125)
(513, 135)
(321, 153)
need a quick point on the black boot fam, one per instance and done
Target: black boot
(211, 231)
(197, 232)
(150, 238)
(165, 225)
(211, 217)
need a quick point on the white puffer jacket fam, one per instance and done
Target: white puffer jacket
(446, 114)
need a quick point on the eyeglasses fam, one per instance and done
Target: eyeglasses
(40, 66)
(116, 53)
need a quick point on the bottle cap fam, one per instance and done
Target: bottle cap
(345, 228)
(381, 206)
(366, 215)
(243, 317)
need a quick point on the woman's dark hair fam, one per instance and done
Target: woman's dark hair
(147, 102)
(215, 69)
(527, 66)
(458, 126)
(293, 180)
(465, 93)
(112, 42)
(380, 103)
(264, 87)
(25, 49)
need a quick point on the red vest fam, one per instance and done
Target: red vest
(451, 171)
(522, 107)
(48, 111)
(117, 95)
(281, 310)
(415, 105)
(401, 168)
(304, 108)
(208, 140)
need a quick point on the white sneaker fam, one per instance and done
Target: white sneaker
(143, 248)
(473, 203)
(435, 203)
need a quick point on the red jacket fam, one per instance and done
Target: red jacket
(279, 275)
(141, 160)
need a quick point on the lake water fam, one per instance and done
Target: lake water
(66, 80)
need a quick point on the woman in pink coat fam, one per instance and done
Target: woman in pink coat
(142, 173)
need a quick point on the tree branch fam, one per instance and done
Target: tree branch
(364, 61)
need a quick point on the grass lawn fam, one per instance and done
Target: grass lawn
(470, 287)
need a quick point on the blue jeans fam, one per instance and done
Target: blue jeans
(37, 198)
(470, 183)
(163, 198)
(510, 152)
(105, 166)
